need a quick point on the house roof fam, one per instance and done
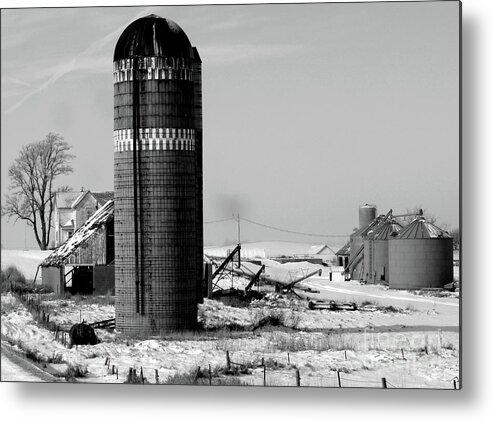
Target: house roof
(344, 250)
(421, 228)
(100, 197)
(66, 199)
(79, 199)
(317, 249)
(59, 255)
(103, 196)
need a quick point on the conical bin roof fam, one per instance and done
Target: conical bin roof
(421, 228)
(387, 229)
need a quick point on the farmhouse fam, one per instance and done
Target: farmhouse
(73, 209)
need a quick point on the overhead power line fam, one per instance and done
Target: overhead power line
(218, 220)
(290, 231)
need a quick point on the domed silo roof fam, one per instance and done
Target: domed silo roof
(421, 228)
(153, 36)
(367, 213)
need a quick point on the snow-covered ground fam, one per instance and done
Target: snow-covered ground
(430, 358)
(271, 249)
(415, 346)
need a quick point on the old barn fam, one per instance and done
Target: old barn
(84, 264)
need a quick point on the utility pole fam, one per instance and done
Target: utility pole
(237, 217)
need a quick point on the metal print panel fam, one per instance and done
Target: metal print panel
(246, 195)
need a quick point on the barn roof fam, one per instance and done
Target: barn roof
(59, 255)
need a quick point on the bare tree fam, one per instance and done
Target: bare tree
(31, 184)
(416, 210)
(455, 233)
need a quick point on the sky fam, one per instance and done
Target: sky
(309, 110)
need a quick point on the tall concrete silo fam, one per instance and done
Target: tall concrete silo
(158, 178)
(420, 256)
(376, 251)
(367, 213)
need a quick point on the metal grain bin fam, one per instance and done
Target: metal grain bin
(158, 178)
(420, 256)
(367, 213)
(376, 251)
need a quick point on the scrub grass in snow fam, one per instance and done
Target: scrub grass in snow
(250, 334)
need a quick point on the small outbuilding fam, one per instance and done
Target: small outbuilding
(342, 255)
(322, 251)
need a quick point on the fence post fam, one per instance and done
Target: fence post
(345, 355)
(210, 376)
(117, 373)
(197, 374)
(289, 362)
(157, 376)
(141, 375)
(339, 378)
(402, 351)
(228, 361)
(455, 384)
(384, 382)
(265, 383)
(298, 379)
(113, 369)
